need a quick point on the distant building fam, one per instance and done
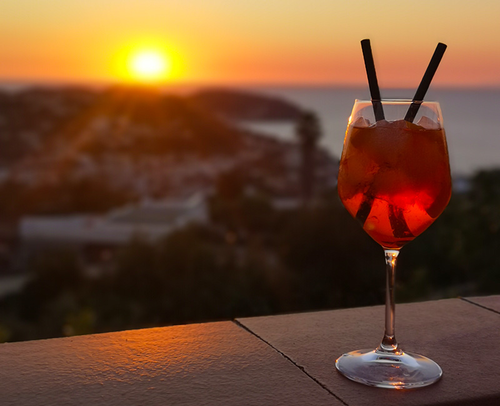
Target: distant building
(150, 220)
(96, 237)
(461, 184)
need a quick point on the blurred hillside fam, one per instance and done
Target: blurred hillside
(128, 119)
(137, 143)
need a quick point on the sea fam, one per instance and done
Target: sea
(470, 119)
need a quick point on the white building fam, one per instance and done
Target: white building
(149, 220)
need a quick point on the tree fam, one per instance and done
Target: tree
(308, 132)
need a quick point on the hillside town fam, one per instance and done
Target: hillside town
(96, 169)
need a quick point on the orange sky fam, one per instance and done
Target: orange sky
(254, 41)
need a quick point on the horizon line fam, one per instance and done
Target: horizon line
(29, 83)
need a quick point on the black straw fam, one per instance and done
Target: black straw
(425, 83)
(372, 80)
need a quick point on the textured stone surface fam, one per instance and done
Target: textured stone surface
(461, 337)
(490, 302)
(199, 364)
(228, 364)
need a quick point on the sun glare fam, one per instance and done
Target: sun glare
(149, 66)
(147, 62)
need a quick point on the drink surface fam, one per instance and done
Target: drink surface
(394, 177)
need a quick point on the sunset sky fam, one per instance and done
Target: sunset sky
(250, 42)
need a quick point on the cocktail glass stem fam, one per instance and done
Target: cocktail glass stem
(389, 342)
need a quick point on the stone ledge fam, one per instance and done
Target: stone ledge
(460, 336)
(275, 360)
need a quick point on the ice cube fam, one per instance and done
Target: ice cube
(428, 124)
(361, 122)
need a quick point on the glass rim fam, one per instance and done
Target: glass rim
(396, 101)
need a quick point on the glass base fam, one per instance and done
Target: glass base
(385, 369)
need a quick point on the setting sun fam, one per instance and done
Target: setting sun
(147, 61)
(149, 66)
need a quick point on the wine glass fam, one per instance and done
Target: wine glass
(394, 178)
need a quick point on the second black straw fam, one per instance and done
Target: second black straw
(425, 83)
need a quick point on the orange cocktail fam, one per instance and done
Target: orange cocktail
(394, 177)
